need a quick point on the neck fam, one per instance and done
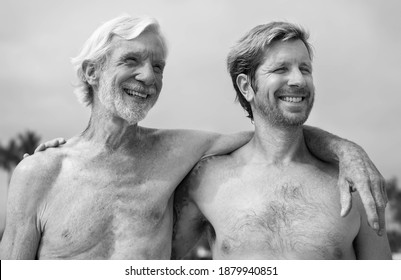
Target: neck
(110, 132)
(277, 144)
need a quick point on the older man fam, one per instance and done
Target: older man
(108, 192)
(272, 198)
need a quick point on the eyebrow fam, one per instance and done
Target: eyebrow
(131, 54)
(140, 55)
(308, 64)
(284, 63)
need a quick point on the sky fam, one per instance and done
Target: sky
(357, 66)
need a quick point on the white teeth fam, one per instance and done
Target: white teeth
(135, 93)
(140, 94)
(292, 99)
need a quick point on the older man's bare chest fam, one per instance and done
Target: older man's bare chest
(110, 209)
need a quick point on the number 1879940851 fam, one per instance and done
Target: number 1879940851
(244, 270)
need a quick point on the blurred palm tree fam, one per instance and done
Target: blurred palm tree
(394, 217)
(12, 153)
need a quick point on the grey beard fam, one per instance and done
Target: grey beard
(112, 100)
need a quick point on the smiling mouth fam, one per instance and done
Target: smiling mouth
(133, 93)
(292, 99)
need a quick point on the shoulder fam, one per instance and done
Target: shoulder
(41, 164)
(211, 171)
(200, 182)
(212, 163)
(325, 170)
(34, 175)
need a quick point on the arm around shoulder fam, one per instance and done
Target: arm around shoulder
(221, 144)
(356, 170)
(201, 144)
(28, 187)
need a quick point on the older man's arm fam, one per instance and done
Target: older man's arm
(22, 232)
(214, 143)
(221, 144)
(356, 171)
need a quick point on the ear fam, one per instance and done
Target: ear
(90, 73)
(245, 87)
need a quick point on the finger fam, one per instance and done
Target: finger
(41, 147)
(381, 182)
(380, 199)
(382, 220)
(345, 197)
(385, 193)
(369, 204)
(61, 141)
(53, 143)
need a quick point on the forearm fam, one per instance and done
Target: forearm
(16, 245)
(181, 247)
(186, 234)
(326, 146)
(223, 144)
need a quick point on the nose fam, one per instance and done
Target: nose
(296, 78)
(146, 74)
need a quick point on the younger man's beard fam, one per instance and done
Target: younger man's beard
(277, 117)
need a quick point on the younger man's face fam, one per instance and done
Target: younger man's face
(284, 84)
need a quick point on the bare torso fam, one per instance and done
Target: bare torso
(93, 212)
(261, 211)
(104, 196)
(113, 205)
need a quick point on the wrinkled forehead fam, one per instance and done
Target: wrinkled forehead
(146, 44)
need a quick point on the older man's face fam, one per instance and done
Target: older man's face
(285, 90)
(132, 78)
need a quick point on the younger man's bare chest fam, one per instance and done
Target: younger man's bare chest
(289, 214)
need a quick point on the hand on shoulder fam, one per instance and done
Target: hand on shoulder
(49, 144)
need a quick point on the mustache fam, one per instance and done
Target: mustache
(303, 91)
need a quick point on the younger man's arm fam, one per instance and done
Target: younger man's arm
(188, 218)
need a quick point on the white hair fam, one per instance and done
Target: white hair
(98, 45)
